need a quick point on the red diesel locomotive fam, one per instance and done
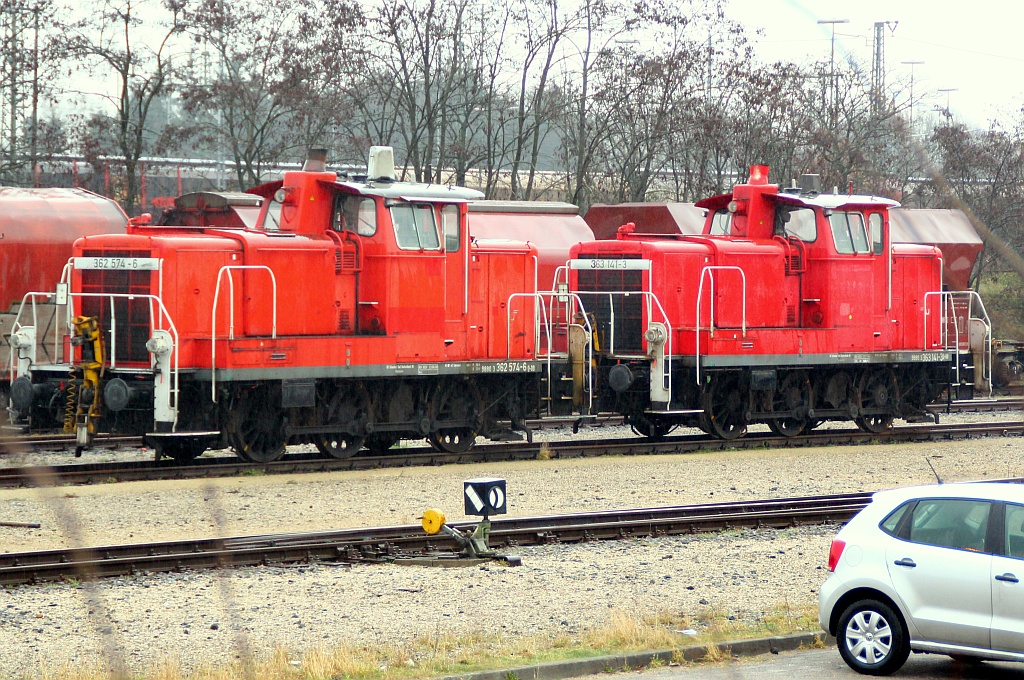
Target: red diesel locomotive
(354, 312)
(792, 308)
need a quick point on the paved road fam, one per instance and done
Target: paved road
(825, 664)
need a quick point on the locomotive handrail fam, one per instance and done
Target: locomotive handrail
(227, 269)
(29, 299)
(164, 314)
(947, 307)
(649, 298)
(700, 293)
(538, 297)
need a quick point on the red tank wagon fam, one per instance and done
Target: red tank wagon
(37, 228)
(791, 308)
(355, 312)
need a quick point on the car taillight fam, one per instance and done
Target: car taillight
(835, 552)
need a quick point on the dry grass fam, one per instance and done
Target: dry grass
(444, 654)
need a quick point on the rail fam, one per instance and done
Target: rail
(951, 302)
(377, 544)
(707, 273)
(231, 314)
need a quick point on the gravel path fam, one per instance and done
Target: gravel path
(203, 616)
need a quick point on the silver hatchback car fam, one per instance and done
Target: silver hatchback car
(929, 569)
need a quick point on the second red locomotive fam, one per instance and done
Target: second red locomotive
(792, 308)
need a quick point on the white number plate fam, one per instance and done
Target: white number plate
(129, 263)
(619, 265)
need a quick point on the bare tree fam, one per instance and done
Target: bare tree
(269, 84)
(30, 60)
(115, 38)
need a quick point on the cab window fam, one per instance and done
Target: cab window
(950, 523)
(355, 213)
(450, 227)
(796, 222)
(272, 218)
(415, 227)
(875, 222)
(848, 232)
(721, 222)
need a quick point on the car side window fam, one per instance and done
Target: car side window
(1014, 539)
(951, 523)
(893, 524)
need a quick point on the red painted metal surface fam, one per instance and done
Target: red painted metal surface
(37, 228)
(801, 297)
(950, 230)
(342, 298)
(651, 218)
(552, 228)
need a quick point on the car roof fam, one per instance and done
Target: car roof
(997, 491)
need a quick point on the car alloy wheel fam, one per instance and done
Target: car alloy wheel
(872, 639)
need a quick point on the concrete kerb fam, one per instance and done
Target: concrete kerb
(556, 670)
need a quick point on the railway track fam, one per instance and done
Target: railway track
(384, 544)
(67, 442)
(229, 465)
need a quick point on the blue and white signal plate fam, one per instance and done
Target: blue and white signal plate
(485, 496)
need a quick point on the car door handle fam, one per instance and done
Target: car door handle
(1008, 577)
(905, 562)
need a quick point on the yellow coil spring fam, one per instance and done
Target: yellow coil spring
(71, 404)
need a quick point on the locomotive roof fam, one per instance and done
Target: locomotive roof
(810, 200)
(834, 201)
(410, 191)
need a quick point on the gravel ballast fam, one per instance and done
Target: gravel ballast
(202, 616)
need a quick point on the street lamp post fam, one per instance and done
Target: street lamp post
(912, 64)
(832, 60)
(947, 90)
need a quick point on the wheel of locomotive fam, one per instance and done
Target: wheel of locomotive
(455, 401)
(725, 407)
(794, 395)
(380, 442)
(877, 392)
(341, 407)
(257, 427)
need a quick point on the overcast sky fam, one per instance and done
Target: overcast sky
(971, 45)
